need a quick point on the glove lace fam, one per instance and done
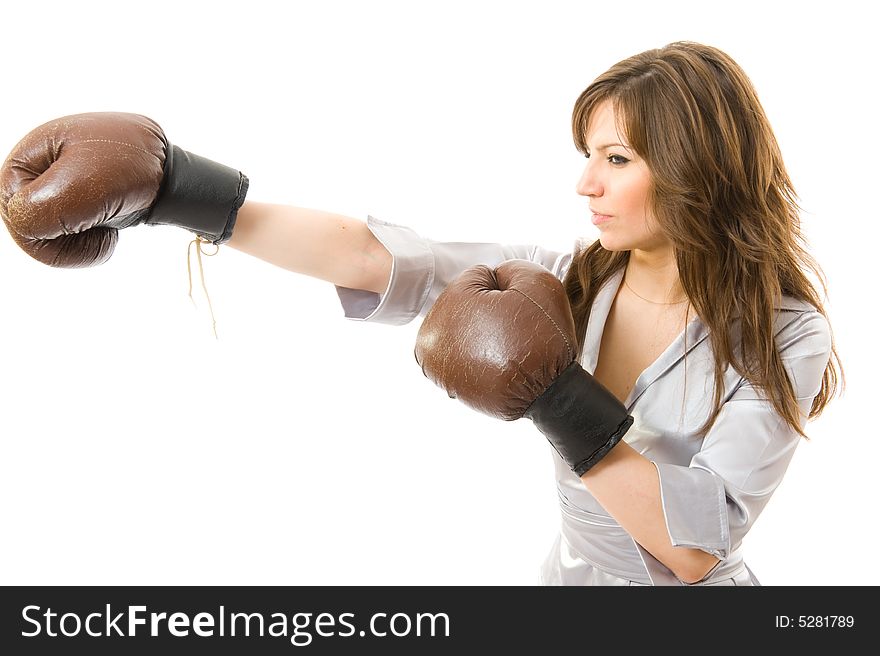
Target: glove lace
(197, 242)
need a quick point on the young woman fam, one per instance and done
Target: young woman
(693, 308)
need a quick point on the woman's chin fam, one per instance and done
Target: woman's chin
(609, 243)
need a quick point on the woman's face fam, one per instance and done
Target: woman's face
(617, 182)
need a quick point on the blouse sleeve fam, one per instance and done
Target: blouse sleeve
(712, 503)
(421, 269)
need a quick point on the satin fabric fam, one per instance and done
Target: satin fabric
(713, 488)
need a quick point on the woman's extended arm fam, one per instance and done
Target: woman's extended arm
(331, 247)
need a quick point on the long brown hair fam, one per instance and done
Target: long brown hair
(721, 194)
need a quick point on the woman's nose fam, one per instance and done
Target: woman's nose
(589, 184)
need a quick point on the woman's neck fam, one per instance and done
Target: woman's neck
(653, 275)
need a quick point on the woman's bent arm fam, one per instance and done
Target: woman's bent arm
(331, 247)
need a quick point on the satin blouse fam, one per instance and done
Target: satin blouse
(713, 488)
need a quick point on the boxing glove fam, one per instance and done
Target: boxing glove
(71, 184)
(503, 342)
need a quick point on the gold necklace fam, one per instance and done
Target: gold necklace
(647, 299)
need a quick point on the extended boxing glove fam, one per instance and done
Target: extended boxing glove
(503, 342)
(69, 186)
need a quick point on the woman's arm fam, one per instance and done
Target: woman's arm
(627, 485)
(332, 247)
(715, 499)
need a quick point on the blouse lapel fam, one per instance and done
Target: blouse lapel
(598, 316)
(688, 339)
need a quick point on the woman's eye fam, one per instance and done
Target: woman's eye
(617, 160)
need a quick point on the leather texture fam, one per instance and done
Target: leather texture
(503, 342)
(580, 417)
(71, 184)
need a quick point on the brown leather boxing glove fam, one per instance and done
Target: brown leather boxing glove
(503, 342)
(69, 186)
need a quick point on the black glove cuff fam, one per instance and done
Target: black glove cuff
(200, 195)
(580, 417)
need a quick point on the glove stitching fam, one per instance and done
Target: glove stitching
(119, 143)
(556, 325)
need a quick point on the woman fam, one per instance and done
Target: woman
(692, 308)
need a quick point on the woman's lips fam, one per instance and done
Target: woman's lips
(599, 219)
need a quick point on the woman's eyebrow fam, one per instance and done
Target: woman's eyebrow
(611, 145)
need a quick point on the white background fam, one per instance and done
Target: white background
(302, 448)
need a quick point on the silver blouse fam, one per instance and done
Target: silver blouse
(712, 489)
